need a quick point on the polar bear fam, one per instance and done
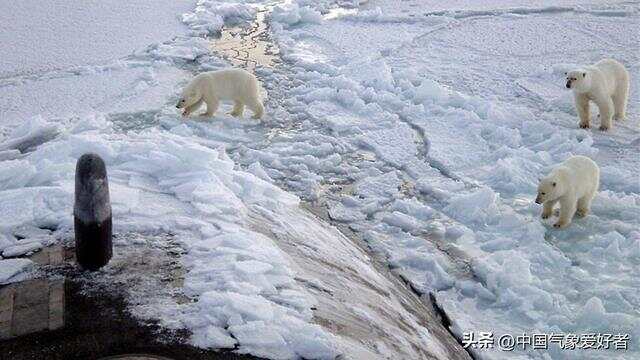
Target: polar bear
(607, 84)
(573, 184)
(228, 84)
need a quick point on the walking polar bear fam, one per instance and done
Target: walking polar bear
(228, 84)
(607, 84)
(573, 184)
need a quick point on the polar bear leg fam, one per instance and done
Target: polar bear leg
(582, 105)
(212, 105)
(189, 109)
(567, 210)
(547, 208)
(620, 98)
(257, 108)
(238, 109)
(584, 205)
(605, 106)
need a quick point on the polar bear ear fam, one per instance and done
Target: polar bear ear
(554, 184)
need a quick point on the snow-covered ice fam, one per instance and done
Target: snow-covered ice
(37, 40)
(420, 126)
(11, 269)
(444, 117)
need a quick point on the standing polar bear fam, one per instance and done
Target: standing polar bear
(228, 84)
(607, 84)
(573, 184)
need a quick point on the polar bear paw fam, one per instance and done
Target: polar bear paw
(561, 224)
(547, 214)
(582, 212)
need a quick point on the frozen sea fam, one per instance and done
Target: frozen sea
(420, 128)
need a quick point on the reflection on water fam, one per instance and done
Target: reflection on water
(248, 47)
(31, 306)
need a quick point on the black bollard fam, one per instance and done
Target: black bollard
(92, 213)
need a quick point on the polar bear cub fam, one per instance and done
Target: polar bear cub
(573, 184)
(607, 84)
(228, 84)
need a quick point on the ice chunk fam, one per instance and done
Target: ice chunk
(403, 221)
(209, 16)
(213, 337)
(514, 175)
(257, 170)
(29, 232)
(253, 267)
(344, 212)
(187, 49)
(477, 207)
(262, 340)
(380, 187)
(44, 206)
(5, 242)
(202, 21)
(594, 317)
(228, 303)
(372, 73)
(231, 12)
(9, 268)
(393, 144)
(15, 174)
(292, 14)
(21, 248)
(10, 155)
(435, 276)
(31, 134)
(430, 91)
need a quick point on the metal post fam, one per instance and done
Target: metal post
(92, 213)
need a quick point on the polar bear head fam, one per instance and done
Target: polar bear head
(550, 188)
(190, 95)
(578, 80)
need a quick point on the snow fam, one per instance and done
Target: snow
(161, 180)
(195, 190)
(10, 269)
(21, 249)
(38, 39)
(421, 126)
(293, 14)
(174, 177)
(210, 16)
(460, 112)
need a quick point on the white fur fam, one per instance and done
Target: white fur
(228, 84)
(573, 184)
(607, 84)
